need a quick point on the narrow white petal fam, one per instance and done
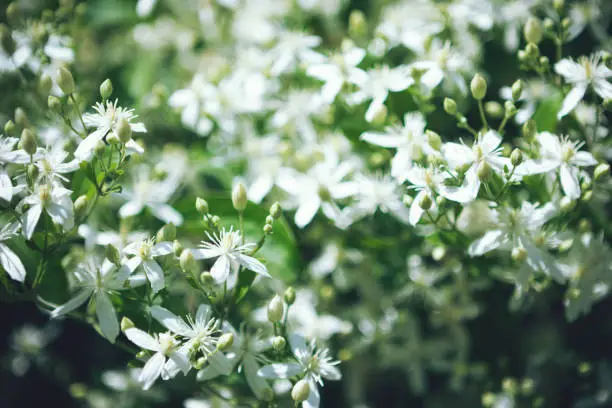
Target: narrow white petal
(152, 370)
(307, 211)
(170, 321)
(181, 360)
(163, 248)
(572, 99)
(569, 182)
(155, 274)
(252, 264)
(258, 385)
(30, 219)
(488, 242)
(130, 209)
(167, 214)
(314, 399)
(12, 264)
(280, 370)
(6, 186)
(106, 316)
(142, 339)
(73, 303)
(220, 269)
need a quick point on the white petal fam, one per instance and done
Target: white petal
(181, 360)
(152, 370)
(569, 182)
(12, 264)
(571, 100)
(85, 149)
(6, 186)
(205, 253)
(130, 209)
(252, 264)
(375, 106)
(106, 316)
(465, 193)
(258, 385)
(307, 211)
(30, 219)
(142, 339)
(280, 370)
(457, 154)
(298, 344)
(73, 303)
(382, 139)
(584, 159)
(163, 248)
(314, 399)
(166, 213)
(155, 274)
(220, 269)
(61, 214)
(416, 212)
(488, 242)
(170, 321)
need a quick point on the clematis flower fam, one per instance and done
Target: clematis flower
(227, 248)
(9, 155)
(145, 253)
(54, 200)
(8, 259)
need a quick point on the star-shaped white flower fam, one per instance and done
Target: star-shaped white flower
(8, 259)
(145, 253)
(54, 200)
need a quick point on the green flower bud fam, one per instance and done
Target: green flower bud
(112, 254)
(65, 80)
(276, 309)
(28, 141)
(268, 229)
(206, 278)
(522, 55)
(509, 109)
(530, 128)
(216, 221)
(601, 171)
(533, 30)
(566, 23)
(166, 233)
(434, 139)
(33, 171)
(21, 118)
(188, 262)
(106, 89)
(516, 157)
(488, 399)
(517, 90)
(276, 210)
(45, 83)
(239, 197)
(300, 391)
(124, 131)
(100, 148)
(77, 390)
(200, 363)
(450, 106)
(54, 104)
(425, 202)
(126, 323)
(13, 14)
(478, 87)
(509, 385)
(567, 204)
(519, 254)
(587, 196)
(269, 219)
(483, 171)
(544, 62)
(607, 104)
(80, 205)
(358, 25)
(559, 5)
(494, 109)
(177, 248)
(548, 24)
(225, 341)
(201, 206)
(279, 343)
(9, 128)
(532, 51)
(289, 295)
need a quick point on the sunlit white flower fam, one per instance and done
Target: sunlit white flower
(145, 7)
(586, 71)
(228, 247)
(291, 48)
(563, 154)
(54, 200)
(8, 259)
(441, 60)
(410, 24)
(144, 253)
(296, 111)
(314, 364)
(166, 356)
(52, 166)
(105, 121)
(428, 182)
(97, 279)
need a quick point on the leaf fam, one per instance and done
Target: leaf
(546, 114)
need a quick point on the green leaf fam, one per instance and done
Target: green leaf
(546, 113)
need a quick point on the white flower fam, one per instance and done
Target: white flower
(587, 71)
(104, 122)
(166, 356)
(534, 91)
(51, 165)
(7, 156)
(54, 200)
(520, 228)
(315, 365)
(291, 48)
(296, 110)
(144, 253)
(485, 151)
(97, 279)
(427, 181)
(442, 61)
(304, 319)
(559, 153)
(375, 84)
(145, 7)
(118, 239)
(8, 259)
(227, 248)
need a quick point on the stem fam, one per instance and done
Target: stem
(76, 106)
(502, 125)
(483, 117)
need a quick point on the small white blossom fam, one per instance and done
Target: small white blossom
(8, 259)
(144, 253)
(54, 200)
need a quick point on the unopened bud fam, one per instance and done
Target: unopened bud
(225, 341)
(21, 118)
(177, 248)
(483, 171)
(206, 278)
(126, 323)
(519, 254)
(112, 253)
(530, 128)
(289, 295)
(488, 399)
(106, 89)
(494, 109)
(10, 128)
(566, 204)
(279, 343)
(478, 87)
(300, 391)
(45, 83)
(584, 225)
(601, 171)
(166, 233)
(532, 51)
(188, 262)
(587, 196)
(28, 141)
(100, 148)
(269, 219)
(425, 202)
(216, 221)
(239, 197)
(54, 104)
(80, 205)
(268, 229)
(200, 363)
(276, 309)
(124, 130)
(559, 5)
(201, 206)
(516, 157)
(357, 24)
(509, 109)
(544, 62)
(450, 106)
(65, 80)
(275, 210)
(434, 139)
(33, 171)
(13, 14)
(533, 30)
(517, 90)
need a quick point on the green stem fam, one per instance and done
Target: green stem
(483, 118)
(76, 106)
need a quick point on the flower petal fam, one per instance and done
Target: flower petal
(106, 316)
(73, 303)
(572, 99)
(12, 264)
(258, 385)
(569, 182)
(488, 242)
(152, 370)
(142, 339)
(252, 264)
(170, 321)
(155, 274)
(220, 269)
(280, 370)
(30, 219)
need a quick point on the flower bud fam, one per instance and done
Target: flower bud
(65, 80)
(216, 221)
(544, 62)
(425, 202)
(517, 90)
(10, 128)
(607, 104)
(188, 262)
(80, 205)
(201, 206)
(289, 295)
(532, 51)
(519, 254)
(269, 220)
(21, 118)
(494, 109)
(33, 171)
(533, 30)
(177, 248)
(357, 24)
(509, 109)
(300, 391)
(407, 200)
(380, 118)
(450, 106)
(587, 196)
(434, 139)
(28, 141)
(478, 87)
(268, 229)
(45, 83)
(106, 89)
(559, 5)
(54, 104)
(166, 233)
(488, 399)
(200, 363)
(548, 24)
(126, 323)
(100, 148)
(566, 204)
(123, 130)
(483, 171)
(239, 197)
(276, 309)
(206, 278)
(225, 341)
(276, 210)
(112, 254)
(602, 170)
(13, 14)
(279, 343)
(530, 128)
(584, 226)
(516, 157)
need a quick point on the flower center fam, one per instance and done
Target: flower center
(145, 250)
(166, 343)
(568, 152)
(44, 194)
